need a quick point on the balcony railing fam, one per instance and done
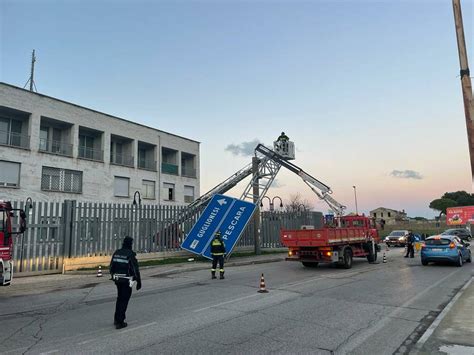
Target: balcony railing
(121, 159)
(55, 147)
(14, 139)
(169, 168)
(147, 164)
(188, 172)
(91, 154)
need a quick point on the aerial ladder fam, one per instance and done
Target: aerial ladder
(268, 164)
(324, 192)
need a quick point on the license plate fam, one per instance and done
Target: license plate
(436, 249)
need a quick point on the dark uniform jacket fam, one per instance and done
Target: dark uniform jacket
(410, 238)
(217, 246)
(124, 261)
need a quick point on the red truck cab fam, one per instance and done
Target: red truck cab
(339, 241)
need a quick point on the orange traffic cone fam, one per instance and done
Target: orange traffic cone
(262, 285)
(99, 272)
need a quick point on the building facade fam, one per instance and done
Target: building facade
(52, 150)
(390, 216)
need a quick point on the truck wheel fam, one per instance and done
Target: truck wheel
(347, 263)
(310, 263)
(371, 258)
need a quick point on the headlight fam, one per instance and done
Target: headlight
(401, 239)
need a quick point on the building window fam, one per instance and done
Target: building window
(9, 174)
(44, 137)
(148, 189)
(375, 214)
(62, 180)
(389, 214)
(188, 194)
(121, 186)
(10, 133)
(168, 191)
(381, 214)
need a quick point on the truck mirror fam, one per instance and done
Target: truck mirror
(22, 221)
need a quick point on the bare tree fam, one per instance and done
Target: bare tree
(297, 204)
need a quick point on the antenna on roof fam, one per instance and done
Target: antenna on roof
(31, 80)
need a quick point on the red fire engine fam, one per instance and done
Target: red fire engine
(6, 239)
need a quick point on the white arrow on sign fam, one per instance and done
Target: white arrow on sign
(222, 201)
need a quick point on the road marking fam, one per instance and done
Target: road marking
(50, 352)
(121, 332)
(440, 317)
(231, 301)
(369, 332)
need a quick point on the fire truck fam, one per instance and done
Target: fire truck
(340, 240)
(7, 213)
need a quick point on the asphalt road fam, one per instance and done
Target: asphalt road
(370, 309)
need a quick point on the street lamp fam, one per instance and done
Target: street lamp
(271, 202)
(301, 205)
(139, 198)
(29, 205)
(355, 197)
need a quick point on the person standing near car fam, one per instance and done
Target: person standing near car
(124, 271)
(217, 251)
(410, 245)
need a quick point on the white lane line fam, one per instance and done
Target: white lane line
(231, 301)
(17, 350)
(440, 317)
(121, 332)
(349, 347)
(50, 352)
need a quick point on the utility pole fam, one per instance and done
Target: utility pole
(465, 81)
(31, 80)
(256, 214)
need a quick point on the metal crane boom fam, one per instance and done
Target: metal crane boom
(313, 183)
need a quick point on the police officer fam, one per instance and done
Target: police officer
(410, 245)
(217, 252)
(124, 270)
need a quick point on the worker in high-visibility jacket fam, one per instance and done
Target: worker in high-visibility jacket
(217, 251)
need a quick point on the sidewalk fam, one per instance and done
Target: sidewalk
(452, 332)
(30, 285)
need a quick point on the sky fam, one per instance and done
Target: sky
(369, 91)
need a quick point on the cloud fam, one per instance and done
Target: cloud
(277, 184)
(245, 148)
(406, 174)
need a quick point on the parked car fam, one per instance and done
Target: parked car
(445, 247)
(462, 233)
(397, 238)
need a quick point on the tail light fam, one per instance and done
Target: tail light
(452, 245)
(423, 245)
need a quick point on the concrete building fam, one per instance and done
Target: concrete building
(52, 150)
(390, 216)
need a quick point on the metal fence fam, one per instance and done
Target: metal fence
(76, 229)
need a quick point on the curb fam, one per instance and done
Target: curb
(205, 266)
(426, 335)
